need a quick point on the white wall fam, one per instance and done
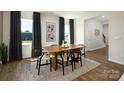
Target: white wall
(116, 37)
(105, 32)
(92, 41)
(6, 27)
(79, 31)
(1, 25)
(49, 17)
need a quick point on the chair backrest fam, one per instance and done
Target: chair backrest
(62, 54)
(75, 52)
(42, 54)
(45, 55)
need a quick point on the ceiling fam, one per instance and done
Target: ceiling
(98, 15)
(78, 14)
(73, 14)
(102, 18)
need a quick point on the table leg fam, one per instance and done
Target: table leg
(55, 62)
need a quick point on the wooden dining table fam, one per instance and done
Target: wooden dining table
(55, 49)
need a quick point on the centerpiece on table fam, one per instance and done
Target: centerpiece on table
(64, 43)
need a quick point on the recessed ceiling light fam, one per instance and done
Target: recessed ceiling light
(103, 16)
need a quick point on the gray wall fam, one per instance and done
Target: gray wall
(93, 41)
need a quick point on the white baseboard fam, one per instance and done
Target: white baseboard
(122, 78)
(115, 61)
(95, 48)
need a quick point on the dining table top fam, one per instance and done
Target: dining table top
(58, 48)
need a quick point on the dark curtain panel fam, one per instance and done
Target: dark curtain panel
(36, 36)
(15, 51)
(61, 29)
(71, 22)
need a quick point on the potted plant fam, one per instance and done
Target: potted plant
(3, 53)
(65, 42)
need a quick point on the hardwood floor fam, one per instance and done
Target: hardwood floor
(106, 71)
(100, 55)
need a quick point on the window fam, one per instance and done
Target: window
(26, 30)
(26, 33)
(67, 31)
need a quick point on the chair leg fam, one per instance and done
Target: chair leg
(37, 64)
(81, 60)
(63, 68)
(67, 61)
(39, 69)
(72, 65)
(50, 65)
(84, 55)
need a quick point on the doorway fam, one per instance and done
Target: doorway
(96, 38)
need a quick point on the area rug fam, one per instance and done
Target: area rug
(26, 71)
(32, 59)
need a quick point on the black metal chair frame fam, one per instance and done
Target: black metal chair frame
(79, 55)
(39, 62)
(61, 54)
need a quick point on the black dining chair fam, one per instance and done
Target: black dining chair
(63, 59)
(76, 55)
(44, 59)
